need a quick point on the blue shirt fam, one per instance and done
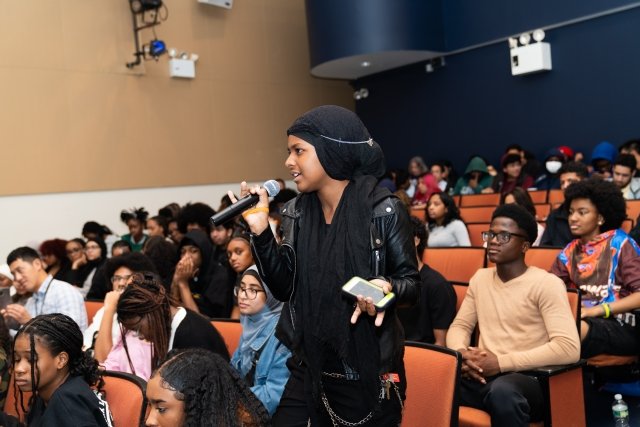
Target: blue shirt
(56, 296)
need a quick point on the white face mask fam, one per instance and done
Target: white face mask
(553, 166)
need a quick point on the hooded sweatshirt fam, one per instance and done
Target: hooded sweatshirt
(210, 294)
(475, 165)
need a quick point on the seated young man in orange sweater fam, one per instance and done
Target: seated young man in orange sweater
(525, 322)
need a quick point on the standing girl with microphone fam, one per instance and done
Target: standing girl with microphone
(341, 225)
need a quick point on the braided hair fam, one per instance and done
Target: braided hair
(58, 333)
(212, 391)
(146, 299)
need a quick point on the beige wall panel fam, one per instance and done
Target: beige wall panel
(73, 118)
(30, 34)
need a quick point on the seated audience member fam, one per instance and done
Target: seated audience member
(193, 284)
(604, 263)
(260, 357)
(164, 256)
(557, 232)
(157, 226)
(440, 174)
(444, 223)
(54, 255)
(120, 247)
(522, 198)
(426, 186)
(146, 308)
(240, 258)
(476, 178)
(624, 171)
(79, 268)
(195, 387)
(118, 271)
(174, 231)
(550, 179)
(511, 176)
(95, 255)
(524, 320)
(388, 181)
(48, 294)
(530, 165)
(428, 320)
(50, 363)
(92, 229)
(136, 220)
(602, 158)
(6, 278)
(417, 167)
(632, 147)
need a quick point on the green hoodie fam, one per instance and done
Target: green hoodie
(475, 164)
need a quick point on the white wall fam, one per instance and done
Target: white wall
(28, 220)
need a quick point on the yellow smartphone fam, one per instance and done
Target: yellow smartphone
(358, 286)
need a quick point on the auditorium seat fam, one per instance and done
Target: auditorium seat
(476, 213)
(456, 264)
(471, 200)
(475, 230)
(538, 196)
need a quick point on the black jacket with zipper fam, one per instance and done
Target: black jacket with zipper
(392, 258)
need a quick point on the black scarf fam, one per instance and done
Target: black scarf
(328, 256)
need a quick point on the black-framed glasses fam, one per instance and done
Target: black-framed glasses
(503, 237)
(249, 293)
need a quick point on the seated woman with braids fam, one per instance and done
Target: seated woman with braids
(198, 388)
(146, 311)
(49, 362)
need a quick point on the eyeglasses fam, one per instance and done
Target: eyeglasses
(249, 293)
(503, 237)
(117, 279)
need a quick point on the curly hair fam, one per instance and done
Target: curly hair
(58, 333)
(195, 213)
(521, 216)
(212, 391)
(134, 261)
(55, 247)
(147, 299)
(606, 197)
(164, 256)
(136, 213)
(452, 210)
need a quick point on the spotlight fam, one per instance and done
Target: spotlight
(513, 42)
(139, 6)
(361, 93)
(538, 35)
(525, 38)
(172, 52)
(157, 48)
(365, 64)
(194, 57)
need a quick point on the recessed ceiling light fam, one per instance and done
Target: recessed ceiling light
(365, 64)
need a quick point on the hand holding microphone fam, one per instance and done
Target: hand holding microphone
(258, 217)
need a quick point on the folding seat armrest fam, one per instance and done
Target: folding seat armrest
(553, 370)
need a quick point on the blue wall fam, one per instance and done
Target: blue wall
(474, 105)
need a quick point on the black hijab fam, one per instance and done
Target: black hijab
(330, 255)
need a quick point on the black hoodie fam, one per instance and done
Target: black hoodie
(211, 287)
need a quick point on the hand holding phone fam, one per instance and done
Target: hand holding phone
(358, 286)
(375, 292)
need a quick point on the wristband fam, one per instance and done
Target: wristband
(607, 310)
(254, 210)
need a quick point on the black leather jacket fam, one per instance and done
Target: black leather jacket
(392, 257)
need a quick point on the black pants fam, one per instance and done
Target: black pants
(297, 405)
(511, 399)
(292, 410)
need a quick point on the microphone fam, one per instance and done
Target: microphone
(243, 204)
